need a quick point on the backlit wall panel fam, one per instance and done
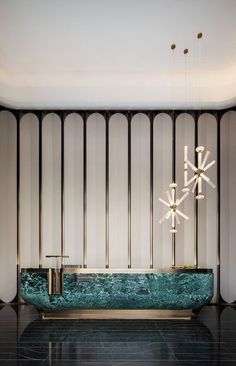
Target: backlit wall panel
(51, 188)
(162, 136)
(228, 204)
(8, 254)
(73, 201)
(118, 191)
(96, 214)
(185, 234)
(29, 191)
(140, 188)
(207, 208)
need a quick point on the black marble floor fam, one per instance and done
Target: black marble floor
(208, 340)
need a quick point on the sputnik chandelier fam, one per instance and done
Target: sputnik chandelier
(173, 205)
(199, 171)
(199, 175)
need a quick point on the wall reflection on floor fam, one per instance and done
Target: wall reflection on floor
(208, 340)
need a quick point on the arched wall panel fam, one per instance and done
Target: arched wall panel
(51, 188)
(29, 191)
(228, 204)
(162, 135)
(73, 158)
(185, 234)
(207, 208)
(140, 188)
(118, 191)
(8, 219)
(96, 192)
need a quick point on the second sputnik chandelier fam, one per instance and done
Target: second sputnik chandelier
(199, 175)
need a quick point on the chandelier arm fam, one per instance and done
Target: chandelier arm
(183, 215)
(195, 185)
(199, 185)
(163, 218)
(169, 197)
(191, 180)
(209, 165)
(185, 174)
(211, 183)
(164, 202)
(182, 198)
(191, 165)
(173, 220)
(199, 160)
(168, 214)
(205, 177)
(205, 159)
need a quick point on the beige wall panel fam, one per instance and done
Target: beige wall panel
(8, 245)
(162, 177)
(118, 201)
(73, 147)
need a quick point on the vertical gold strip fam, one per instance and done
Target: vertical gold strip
(18, 204)
(62, 190)
(129, 189)
(40, 188)
(196, 117)
(173, 179)
(218, 120)
(151, 190)
(85, 191)
(107, 192)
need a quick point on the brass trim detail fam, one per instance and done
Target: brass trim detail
(62, 189)
(40, 120)
(173, 235)
(18, 191)
(151, 119)
(85, 191)
(129, 119)
(196, 219)
(122, 270)
(107, 158)
(118, 314)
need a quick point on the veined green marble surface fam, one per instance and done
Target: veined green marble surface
(120, 290)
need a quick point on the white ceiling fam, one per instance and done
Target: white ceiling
(116, 53)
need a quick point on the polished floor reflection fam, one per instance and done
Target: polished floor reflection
(208, 340)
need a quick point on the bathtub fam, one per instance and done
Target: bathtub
(113, 289)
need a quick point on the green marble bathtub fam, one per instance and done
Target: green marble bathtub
(175, 289)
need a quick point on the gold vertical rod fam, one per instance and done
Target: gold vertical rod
(173, 180)
(85, 191)
(151, 190)
(40, 188)
(62, 190)
(173, 249)
(18, 204)
(218, 118)
(107, 192)
(195, 194)
(129, 191)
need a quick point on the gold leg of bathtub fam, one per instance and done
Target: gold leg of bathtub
(118, 314)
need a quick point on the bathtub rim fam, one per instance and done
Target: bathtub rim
(120, 270)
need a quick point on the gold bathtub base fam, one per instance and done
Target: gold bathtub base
(117, 314)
